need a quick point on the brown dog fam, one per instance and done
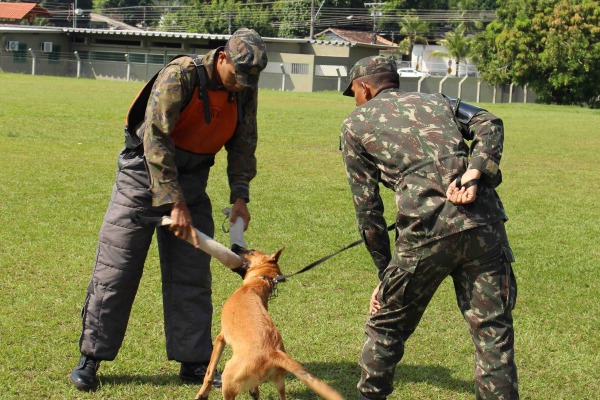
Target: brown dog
(256, 343)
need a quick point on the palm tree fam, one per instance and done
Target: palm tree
(464, 6)
(414, 29)
(458, 47)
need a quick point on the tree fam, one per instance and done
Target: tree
(551, 45)
(295, 19)
(130, 11)
(415, 30)
(221, 17)
(464, 6)
(458, 47)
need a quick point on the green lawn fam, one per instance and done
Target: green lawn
(59, 139)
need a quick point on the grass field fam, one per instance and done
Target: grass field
(59, 139)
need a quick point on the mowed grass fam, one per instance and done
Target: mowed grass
(59, 139)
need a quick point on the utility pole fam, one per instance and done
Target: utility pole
(375, 13)
(312, 19)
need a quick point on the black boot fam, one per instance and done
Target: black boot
(194, 373)
(84, 374)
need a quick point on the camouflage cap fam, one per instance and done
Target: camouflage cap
(369, 66)
(249, 54)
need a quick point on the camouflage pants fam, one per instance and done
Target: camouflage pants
(479, 262)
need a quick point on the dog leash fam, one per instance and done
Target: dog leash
(282, 278)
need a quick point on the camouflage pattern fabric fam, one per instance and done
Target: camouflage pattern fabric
(369, 66)
(171, 92)
(479, 262)
(249, 54)
(410, 142)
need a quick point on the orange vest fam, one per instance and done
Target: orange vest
(194, 134)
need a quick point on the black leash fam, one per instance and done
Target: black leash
(282, 278)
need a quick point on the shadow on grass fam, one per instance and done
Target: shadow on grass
(341, 376)
(344, 377)
(141, 380)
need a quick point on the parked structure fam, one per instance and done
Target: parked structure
(16, 13)
(302, 65)
(345, 35)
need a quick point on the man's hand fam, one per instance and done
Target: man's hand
(374, 305)
(464, 195)
(239, 209)
(182, 225)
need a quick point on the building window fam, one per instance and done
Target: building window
(299, 69)
(106, 56)
(156, 59)
(20, 56)
(54, 55)
(137, 58)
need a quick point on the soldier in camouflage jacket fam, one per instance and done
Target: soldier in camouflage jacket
(450, 222)
(181, 118)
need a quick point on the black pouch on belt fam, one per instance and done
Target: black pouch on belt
(132, 141)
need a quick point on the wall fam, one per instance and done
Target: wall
(22, 61)
(468, 89)
(308, 66)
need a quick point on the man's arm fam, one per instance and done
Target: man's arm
(170, 92)
(487, 132)
(487, 145)
(241, 148)
(363, 177)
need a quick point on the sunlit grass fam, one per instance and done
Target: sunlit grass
(59, 139)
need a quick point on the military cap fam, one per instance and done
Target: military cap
(369, 66)
(249, 54)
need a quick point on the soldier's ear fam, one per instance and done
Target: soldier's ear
(367, 90)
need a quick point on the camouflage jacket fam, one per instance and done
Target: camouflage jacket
(411, 143)
(170, 94)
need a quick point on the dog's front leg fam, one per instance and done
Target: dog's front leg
(211, 371)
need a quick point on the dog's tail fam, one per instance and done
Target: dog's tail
(283, 360)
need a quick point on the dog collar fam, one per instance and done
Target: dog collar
(272, 284)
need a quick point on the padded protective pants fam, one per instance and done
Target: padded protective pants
(121, 254)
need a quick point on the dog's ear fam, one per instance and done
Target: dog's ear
(275, 256)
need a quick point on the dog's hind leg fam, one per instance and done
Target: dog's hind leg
(278, 379)
(218, 348)
(254, 393)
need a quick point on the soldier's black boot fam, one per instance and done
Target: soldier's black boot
(363, 397)
(194, 373)
(84, 374)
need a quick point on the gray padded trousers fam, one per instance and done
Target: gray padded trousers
(121, 254)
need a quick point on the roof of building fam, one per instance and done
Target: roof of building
(182, 35)
(355, 36)
(112, 23)
(19, 11)
(166, 34)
